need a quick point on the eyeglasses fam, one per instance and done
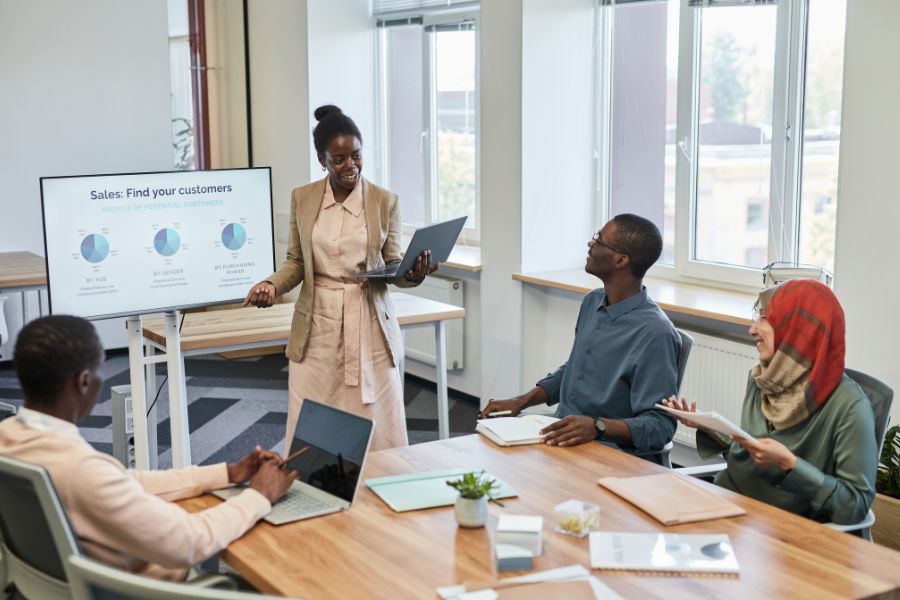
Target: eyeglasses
(598, 241)
(757, 314)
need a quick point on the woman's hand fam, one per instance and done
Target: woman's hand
(767, 452)
(673, 402)
(261, 295)
(422, 269)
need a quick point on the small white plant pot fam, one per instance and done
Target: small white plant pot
(471, 513)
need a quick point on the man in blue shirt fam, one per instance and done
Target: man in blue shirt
(625, 355)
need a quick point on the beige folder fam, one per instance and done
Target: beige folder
(671, 499)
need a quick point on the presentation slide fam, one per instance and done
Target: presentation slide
(138, 243)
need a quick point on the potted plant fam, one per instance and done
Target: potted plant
(475, 489)
(887, 501)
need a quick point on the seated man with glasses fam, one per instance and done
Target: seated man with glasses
(625, 355)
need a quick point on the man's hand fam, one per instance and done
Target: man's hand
(247, 467)
(767, 452)
(261, 295)
(673, 402)
(513, 405)
(570, 431)
(272, 480)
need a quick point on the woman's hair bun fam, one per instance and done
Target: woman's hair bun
(324, 111)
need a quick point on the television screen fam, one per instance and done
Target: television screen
(128, 244)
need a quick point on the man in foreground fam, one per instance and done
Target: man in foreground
(122, 517)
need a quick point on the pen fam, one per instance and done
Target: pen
(296, 454)
(500, 413)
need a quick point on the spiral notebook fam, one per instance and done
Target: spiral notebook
(663, 552)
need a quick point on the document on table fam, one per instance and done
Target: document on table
(663, 552)
(542, 583)
(710, 419)
(514, 431)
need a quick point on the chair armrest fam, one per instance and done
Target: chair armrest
(702, 470)
(213, 581)
(867, 522)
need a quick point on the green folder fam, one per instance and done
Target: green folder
(426, 490)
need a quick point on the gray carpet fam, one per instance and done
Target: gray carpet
(233, 405)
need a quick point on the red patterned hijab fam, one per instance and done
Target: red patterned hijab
(809, 351)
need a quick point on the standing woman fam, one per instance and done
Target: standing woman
(345, 342)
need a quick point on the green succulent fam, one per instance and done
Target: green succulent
(475, 485)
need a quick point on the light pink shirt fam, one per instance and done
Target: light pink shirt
(127, 518)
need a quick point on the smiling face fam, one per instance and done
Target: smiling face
(343, 161)
(764, 334)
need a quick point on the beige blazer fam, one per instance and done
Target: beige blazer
(382, 209)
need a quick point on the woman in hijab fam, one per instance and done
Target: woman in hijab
(815, 450)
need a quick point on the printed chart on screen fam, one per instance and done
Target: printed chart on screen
(137, 243)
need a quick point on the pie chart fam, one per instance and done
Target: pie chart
(94, 248)
(166, 241)
(234, 236)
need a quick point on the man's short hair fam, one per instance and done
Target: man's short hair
(640, 239)
(50, 351)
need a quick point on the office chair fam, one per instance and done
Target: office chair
(35, 533)
(663, 457)
(91, 580)
(6, 410)
(881, 396)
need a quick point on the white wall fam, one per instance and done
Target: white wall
(85, 90)
(342, 68)
(279, 100)
(557, 133)
(867, 278)
(501, 198)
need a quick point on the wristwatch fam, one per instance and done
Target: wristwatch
(600, 424)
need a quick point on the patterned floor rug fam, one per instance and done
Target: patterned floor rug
(235, 404)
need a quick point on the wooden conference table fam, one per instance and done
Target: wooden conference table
(251, 327)
(372, 552)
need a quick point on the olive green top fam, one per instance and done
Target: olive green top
(834, 478)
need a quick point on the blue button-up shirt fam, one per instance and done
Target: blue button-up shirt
(624, 360)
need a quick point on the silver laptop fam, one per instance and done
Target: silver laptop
(439, 238)
(329, 471)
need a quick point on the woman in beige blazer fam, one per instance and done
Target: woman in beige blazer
(345, 343)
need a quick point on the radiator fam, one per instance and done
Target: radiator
(419, 341)
(716, 377)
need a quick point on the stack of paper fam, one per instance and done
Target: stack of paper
(671, 499)
(669, 552)
(514, 431)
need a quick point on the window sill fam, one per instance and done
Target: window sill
(462, 258)
(703, 302)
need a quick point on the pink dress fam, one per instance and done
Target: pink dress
(347, 363)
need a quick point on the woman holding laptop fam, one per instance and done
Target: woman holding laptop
(345, 342)
(815, 452)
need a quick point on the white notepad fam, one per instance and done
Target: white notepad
(710, 419)
(666, 552)
(514, 431)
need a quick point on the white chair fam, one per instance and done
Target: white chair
(36, 537)
(91, 580)
(881, 396)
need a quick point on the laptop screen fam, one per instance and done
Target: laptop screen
(337, 443)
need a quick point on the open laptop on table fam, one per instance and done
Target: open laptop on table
(439, 238)
(329, 471)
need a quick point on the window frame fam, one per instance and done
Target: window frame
(471, 235)
(788, 104)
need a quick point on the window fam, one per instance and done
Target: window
(187, 73)
(699, 102)
(428, 96)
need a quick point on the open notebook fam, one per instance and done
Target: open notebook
(671, 499)
(514, 431)
(663, 552)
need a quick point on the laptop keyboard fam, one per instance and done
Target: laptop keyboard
(300, 503)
